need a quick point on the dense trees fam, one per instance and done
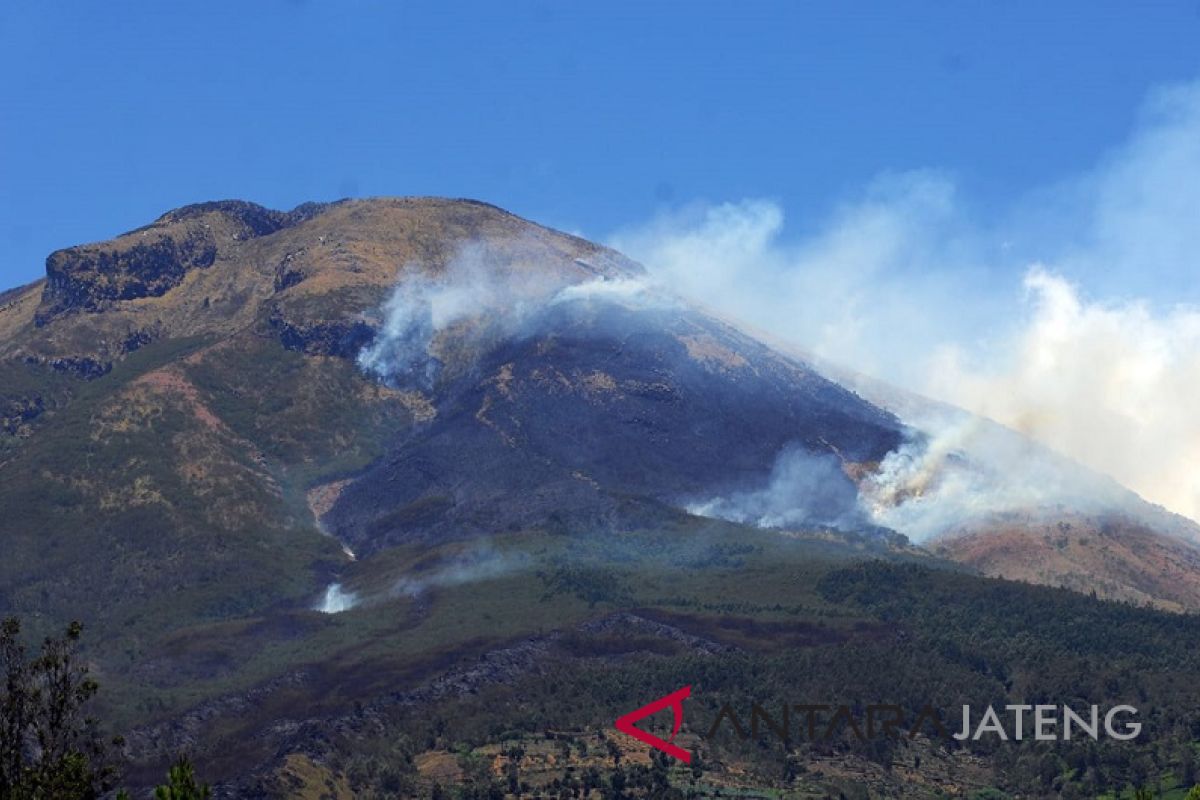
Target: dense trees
(50, 749)
(48, 746)
(182, 784)
(917, 636)
(886, 633)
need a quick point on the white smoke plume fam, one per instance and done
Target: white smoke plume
(481, 562)
(471, 287)
(1070, 317)
(1115, 385)
(475, 296)
(804, 490)
(971, 469)
(637, 293)
(335, 600)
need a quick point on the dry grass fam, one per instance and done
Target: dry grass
(1116, 558)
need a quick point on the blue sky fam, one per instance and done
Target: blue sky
(586, 116)
(994, 204)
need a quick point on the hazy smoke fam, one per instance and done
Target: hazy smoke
(1116, 385)
(476, 297)
(804, 490)
(969, 470)
(636, 293)
(472, 291)
(1027, 318)
(480, 563)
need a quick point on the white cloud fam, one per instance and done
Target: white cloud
(1096, 357)
(876, 266)
(1115, 385)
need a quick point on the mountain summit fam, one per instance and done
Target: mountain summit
(229, 385)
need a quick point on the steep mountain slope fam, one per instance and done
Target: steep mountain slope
(1112, 555)
(169, 397)
(598, 406)
(189, 390)
(1030, 514)
(179, 400)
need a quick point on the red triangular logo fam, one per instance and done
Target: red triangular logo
(675, 700)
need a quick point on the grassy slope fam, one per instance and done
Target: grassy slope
(1113, 556)
(812, 622)
(166, 499)
(172, 441)
(242, 619)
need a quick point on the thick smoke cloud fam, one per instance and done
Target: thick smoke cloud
(804, 490)
(1070, 317)
(1113, 384)
(970, 470)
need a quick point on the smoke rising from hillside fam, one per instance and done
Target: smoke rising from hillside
(423, 304)
(804, 490)
(477, 296)
(1065, 318)
(335, 600)
(481, 562)
(1115, 385)
(971, 469)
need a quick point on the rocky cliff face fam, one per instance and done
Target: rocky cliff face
(87, 279)
(308, 277)
(152, 260)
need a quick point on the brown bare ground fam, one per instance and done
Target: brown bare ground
(322, 497)
(709, 351)
(1117, 558)
(169, 381)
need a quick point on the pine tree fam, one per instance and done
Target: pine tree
(48, 746)
(181, 784)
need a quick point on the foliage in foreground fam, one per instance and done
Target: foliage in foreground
(48, 746)
(181, 784)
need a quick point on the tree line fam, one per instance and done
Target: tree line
(51, 748)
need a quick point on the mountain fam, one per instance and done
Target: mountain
(191, 385)
(499, 453)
